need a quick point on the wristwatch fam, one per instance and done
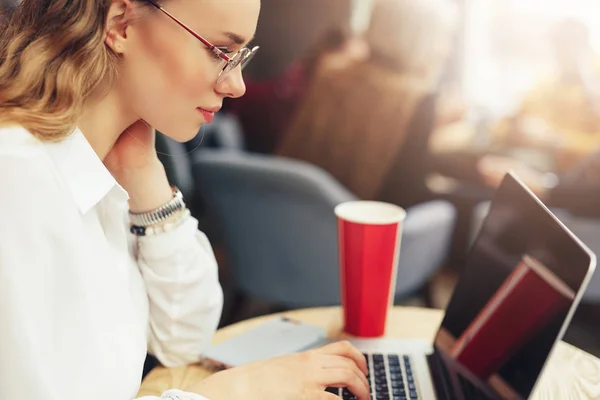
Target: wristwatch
(160, 214)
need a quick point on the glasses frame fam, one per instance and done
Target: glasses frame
(242, 57)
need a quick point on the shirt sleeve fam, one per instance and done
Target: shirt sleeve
(186, 299)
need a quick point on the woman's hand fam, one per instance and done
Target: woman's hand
(135, 165)
(302, 376)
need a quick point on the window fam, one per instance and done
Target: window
(507, 47)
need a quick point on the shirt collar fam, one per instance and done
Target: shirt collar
(85, 175)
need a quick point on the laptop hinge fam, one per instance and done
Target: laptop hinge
(441, 384)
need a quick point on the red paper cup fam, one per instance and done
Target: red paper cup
(369, 235)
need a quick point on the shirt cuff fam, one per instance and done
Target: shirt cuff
(175, 394)
(169, 244)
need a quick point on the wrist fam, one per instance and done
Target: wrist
(207, 390)
(148, 187)
(160, 220)
(224, 385)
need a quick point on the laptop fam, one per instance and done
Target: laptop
(523, 279)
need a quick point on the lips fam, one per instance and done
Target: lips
(208, 113)
(211, 109)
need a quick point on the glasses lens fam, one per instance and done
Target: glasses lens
(247, 58)
(242, 58)
(237, 59)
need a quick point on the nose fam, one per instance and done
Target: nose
(232, 85)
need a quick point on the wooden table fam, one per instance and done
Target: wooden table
(570, 374)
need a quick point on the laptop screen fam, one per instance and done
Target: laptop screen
(520, 281)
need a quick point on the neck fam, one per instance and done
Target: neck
(104, 120)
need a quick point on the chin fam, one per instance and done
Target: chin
(181, 135)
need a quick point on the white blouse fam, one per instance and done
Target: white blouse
(81, 299)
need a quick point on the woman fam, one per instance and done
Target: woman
(355, 122)
(99, 259)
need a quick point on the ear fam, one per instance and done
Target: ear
(118, 19)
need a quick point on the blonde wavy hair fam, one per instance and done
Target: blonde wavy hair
(52, 61)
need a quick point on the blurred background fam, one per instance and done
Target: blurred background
(422, 103)
(425, 104)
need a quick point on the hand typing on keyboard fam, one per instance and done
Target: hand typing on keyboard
(390, 378)
(302, 376)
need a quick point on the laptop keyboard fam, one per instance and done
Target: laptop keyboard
(390, 376)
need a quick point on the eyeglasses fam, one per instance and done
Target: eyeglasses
(239, 59)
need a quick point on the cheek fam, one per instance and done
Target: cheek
(173, 71)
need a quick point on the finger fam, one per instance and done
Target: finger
(345, 349)
(341, 377)
(337, 362)
(324, 396)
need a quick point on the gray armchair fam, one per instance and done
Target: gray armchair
(280, 232)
